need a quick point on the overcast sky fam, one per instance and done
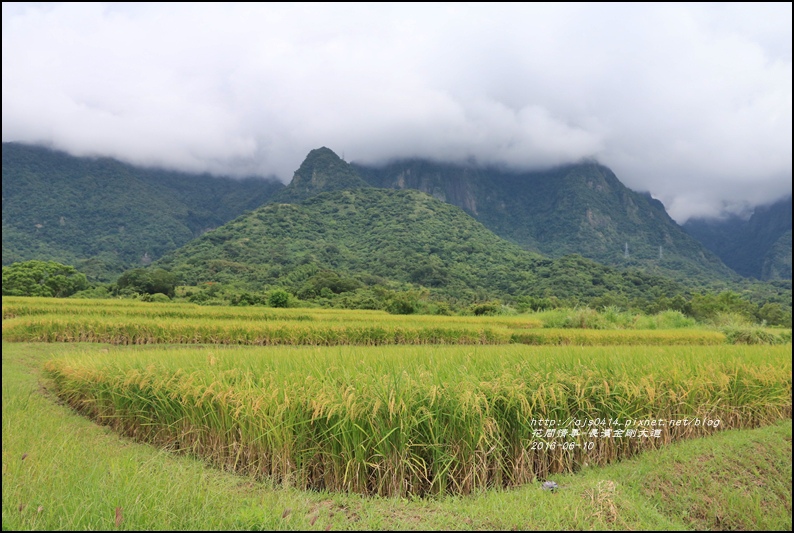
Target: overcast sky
(691, 102)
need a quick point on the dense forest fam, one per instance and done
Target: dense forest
(103, 216)
(373, 236)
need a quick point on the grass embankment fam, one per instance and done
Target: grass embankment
(60, 471)
(401, 420)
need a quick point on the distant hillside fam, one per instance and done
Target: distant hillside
(777, 261)
(104, 216)
(376, 236)
(574, 209)
(759, 247)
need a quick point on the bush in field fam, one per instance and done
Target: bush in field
(674, 319)
(208, 293)
(278, 298)
(532, 303)
(749, 335)
(147, 281)
(439, 308)
(357, 299)
(617, 318)
(676, 303)
(156, 297)
(246, 298)
(402, 304)
(486, 308)
(42, 278)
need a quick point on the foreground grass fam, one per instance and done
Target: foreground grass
(62, 472)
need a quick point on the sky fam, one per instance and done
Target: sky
(691, 102)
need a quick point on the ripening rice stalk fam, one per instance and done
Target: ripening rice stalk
(132, 322)
(402, 420)
(146, 330)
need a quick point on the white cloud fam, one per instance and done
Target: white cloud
(689, 101)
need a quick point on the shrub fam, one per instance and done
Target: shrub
(774, 315)
(487, 308)
(278, 298)
(736, 335)
(402, 304)
(148, 281)
(156, 297)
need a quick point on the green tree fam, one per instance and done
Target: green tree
(775, 315)
(148, 281)
(278, 298)
(402, 303)
(42, 278)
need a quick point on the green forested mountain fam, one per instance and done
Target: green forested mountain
(330, 228)
(759, 247)
(321, 171)
(371, 236)
(574, 209)
(104, 216)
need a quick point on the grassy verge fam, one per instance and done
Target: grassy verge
(60, 471)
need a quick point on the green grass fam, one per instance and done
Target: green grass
(78, 473)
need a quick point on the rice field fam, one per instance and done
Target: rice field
(378, 404)
(130, 322)
(405, 420)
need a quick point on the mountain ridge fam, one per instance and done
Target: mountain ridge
(759, 247)
(577, 208)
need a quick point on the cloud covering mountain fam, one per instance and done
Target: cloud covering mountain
(691, 102)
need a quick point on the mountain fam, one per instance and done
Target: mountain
(104, 216)
(374, 236)
(573, 209)
(759, 247)
(321, 171)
